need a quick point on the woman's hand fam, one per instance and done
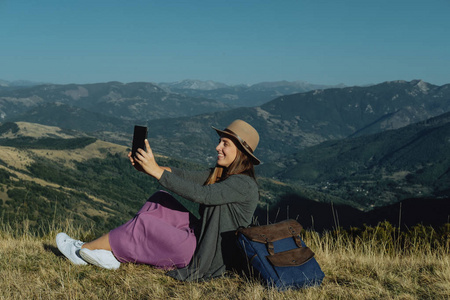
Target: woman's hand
(145, 162)
(134, 163)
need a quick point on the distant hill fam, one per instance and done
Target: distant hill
(16, 84)
(291, 123)
(189, 84)
(286, 124)
(73, 117)
(241, 95)
(132, 101)
(361, 110)
(375, 170)
(140, 100)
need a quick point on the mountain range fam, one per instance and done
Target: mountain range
(362, 146)
(132, 101)
(291, 123)
(242, 95)
(286, 124)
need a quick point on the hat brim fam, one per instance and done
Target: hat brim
(255, 160)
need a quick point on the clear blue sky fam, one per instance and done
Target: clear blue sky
(353, 42)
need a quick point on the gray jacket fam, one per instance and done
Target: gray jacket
(225, 206)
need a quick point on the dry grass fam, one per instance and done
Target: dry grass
(19, 159)
(31, 267)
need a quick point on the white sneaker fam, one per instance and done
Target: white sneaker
(100, 258)
(70, 248)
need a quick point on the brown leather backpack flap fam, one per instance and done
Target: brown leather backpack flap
(272, 232)
(291, 258)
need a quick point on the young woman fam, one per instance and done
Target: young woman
(162, 233)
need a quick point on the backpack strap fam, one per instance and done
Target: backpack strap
(268, 234)
(296, 236)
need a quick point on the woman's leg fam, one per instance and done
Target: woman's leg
(100, 243)
(98, 252)
(154, 201)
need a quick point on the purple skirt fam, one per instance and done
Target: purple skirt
(160, 234)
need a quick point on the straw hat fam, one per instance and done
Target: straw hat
(245, 134)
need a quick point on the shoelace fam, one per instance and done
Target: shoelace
(78, 244)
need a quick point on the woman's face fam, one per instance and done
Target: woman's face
(226, 152)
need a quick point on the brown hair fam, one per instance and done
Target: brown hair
(242, 164)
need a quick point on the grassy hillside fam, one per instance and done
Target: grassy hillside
(375, 170)
(375, 263)
(87, 181)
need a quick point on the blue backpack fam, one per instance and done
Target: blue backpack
(278, 256)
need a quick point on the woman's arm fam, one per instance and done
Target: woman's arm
(235, 189)
(195, 176)
(146, 162)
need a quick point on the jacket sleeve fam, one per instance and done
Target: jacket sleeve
(198, 177)
(235, 189)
